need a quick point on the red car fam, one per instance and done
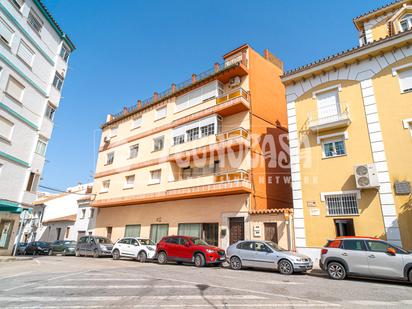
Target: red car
(186, 249)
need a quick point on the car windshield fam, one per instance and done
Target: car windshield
(198, 241)
(70, 243)
(146, 242)
(274, 246)
(102, 240)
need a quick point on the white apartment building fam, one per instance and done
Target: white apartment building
(34, 52)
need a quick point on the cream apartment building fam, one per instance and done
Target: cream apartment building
(34, 52)
(350, 133)
(207, 157)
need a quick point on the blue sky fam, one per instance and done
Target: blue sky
(128, 49)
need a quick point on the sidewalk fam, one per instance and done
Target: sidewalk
(15, 258)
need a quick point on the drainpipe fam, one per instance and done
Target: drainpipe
(287, 217)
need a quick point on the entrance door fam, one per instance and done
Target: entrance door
(236, 229)
(271, 232)
(58, 231)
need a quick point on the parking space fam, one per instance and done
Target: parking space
(70, 282)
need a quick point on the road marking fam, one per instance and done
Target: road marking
(267, 282)
(107, 279)
(380, 303)
(227, 305)
(47, 287)
(16, 275)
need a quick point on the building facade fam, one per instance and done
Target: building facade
(350, 133)
(65, 216)
(33, 63)
(207, 157)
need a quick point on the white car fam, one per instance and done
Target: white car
(133, 247)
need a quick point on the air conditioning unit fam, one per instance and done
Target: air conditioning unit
(366, 176)
(107, 139)
(234, 82)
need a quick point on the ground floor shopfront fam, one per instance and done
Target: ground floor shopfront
(9, 223)
(220, 221)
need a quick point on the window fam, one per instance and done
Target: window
(34, 21)
(83, 214)
(105, 186)
(67, 232)
(155, 176)
(91, 215)
(190, 229)
(406, 22)
(192, 134)
(25, 53)
(58, 81)
(137, 122)
(197, 96)
(17, 3)
(6, 228)
(41, 147)
(353, 244)
(344, 227)
(50, 110)
(247, 245)
(109, 158)
(161, 113)
(6, 32)
(405, 80)
(180, 139)
(334, 148)
(208, 130)
(158, 143)
(328, 106)
(129, 182)
(113, 131)
(261, 247)
(6, 129)
(378, 246)
(190, 172)
(158, 231)
(14, 89)
(132, 230)
(33, 182)
(134, 151)
(64, 52)
(342, 204)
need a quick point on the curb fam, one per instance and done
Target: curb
(14, 259)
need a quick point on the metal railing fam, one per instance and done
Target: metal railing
(335, 116)
(232, 176)
(342, 204)
(239, 92)
(168, 92)
(234, 133)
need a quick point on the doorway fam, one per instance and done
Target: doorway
(236, 229)
(271, 232)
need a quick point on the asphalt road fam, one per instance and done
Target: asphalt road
(70, 282)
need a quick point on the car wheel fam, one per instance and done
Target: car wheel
(199, 260)
(179, 262)
(285, 267)
(95, 253)
(78, 253)
(235, 263)
(410, 276)
(336, 271)
(64, 252)
(50, 252)
(162, 258)
(142, 257)
(116, 254)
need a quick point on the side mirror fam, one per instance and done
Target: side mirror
(391, 251)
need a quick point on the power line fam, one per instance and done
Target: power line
(62, 191)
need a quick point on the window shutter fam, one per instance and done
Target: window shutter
(14, 88)
(25, 53)
(6, 32)
(405, 78)
(328, 104)
(161, 112)
(137, 122)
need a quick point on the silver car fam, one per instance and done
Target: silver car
(367, 257)
(266, 254)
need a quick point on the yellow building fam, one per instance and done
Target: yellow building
(350, 134)
(203, 158)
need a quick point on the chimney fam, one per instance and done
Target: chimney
(193, 78)
(139, 104)
(124, 110)
(216, 67)
(266, 54)
(155, 96)
(173, 88)
(109, 118)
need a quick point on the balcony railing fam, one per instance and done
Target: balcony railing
(232, 175)
(335, 120)
(240, 92)
(238, 132)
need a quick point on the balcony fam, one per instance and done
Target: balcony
(225, 183)
(232, 140)
(334, 121)
(233, 102)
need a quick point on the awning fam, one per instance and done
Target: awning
(10, 206)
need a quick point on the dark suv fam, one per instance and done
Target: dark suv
(186, 249)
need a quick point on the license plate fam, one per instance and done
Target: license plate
(222, 259)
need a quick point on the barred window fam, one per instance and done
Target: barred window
(342, 204)
(158, 143)
(109, 158)
(134, 151)
(178, 139)
(208, 130)
(192, 134)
